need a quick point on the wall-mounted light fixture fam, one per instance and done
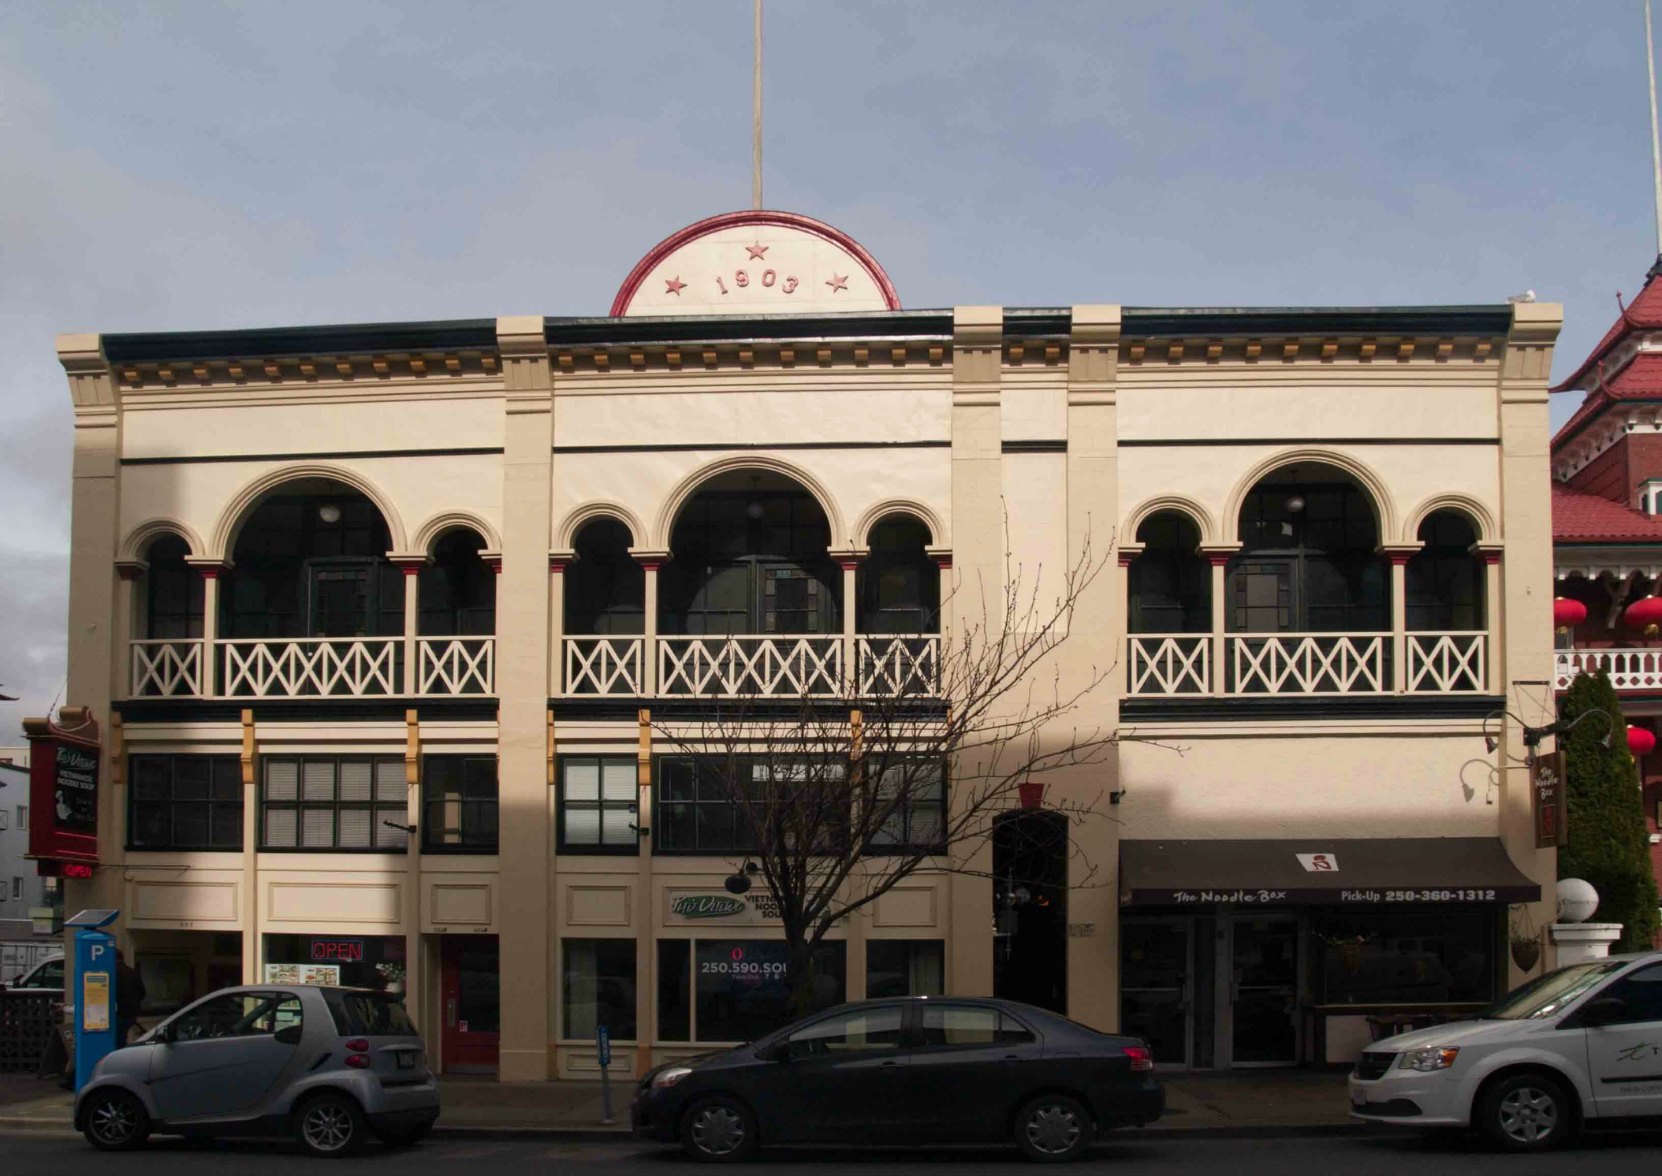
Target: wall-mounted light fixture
(329, 513)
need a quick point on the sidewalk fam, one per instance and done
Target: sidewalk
(1262, 1103)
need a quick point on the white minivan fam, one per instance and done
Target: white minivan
(1582, 1043)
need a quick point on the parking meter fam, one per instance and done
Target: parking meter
(94, 997)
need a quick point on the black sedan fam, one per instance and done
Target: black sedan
(920, 1070)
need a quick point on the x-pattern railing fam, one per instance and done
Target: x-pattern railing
(899, 665)
(167, 669)
(1449, 663)
(456, 665)
(603, 665)
(312, 667)
(750, 665)
(1171, 665)
(1311, 664)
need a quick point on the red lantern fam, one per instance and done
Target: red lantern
(1645, 614)
(1567, 613)
(1032, 793)
(1640, 741)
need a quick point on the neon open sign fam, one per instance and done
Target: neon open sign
(338, 950)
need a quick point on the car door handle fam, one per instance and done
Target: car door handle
(889, 1064)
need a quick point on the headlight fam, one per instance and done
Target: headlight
(1434, 1057)
(671, 1076)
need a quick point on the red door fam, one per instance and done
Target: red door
(472, 1004)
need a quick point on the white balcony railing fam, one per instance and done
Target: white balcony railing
(751, 665)
(1178, 664)
(1629, 669)
(1309, 663)
(890, 666)
(455, 665)
(1447, 663)
(166, 669)
(603, 665)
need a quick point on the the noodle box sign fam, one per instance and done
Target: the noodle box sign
(706, 906)
(345, 950)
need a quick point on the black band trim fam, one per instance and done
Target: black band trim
(459, 451)
(1250, 709)
(1142, 442)
(723, 710)
(1487, 322)
(720, 446)
(322, 710)
(458, 334)
(1035, 446)
(1626, 1078)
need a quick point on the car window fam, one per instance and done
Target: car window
(1642, 992)
(49, 975)
(948, 1025)
(370, 1014)
(1547, 996)
(858, 1031)
(237, 1014)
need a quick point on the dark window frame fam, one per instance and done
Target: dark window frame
(601, 806)
(627, 945)
(429, 801)
(379, 810)
(1334, 538)
(909, 844)
(661, 846)
(215, 763)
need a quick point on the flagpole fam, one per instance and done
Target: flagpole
(1655, 149)
(756, 121)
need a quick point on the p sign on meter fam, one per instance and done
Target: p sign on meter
(95, 991)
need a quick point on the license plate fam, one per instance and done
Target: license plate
(406, 1060)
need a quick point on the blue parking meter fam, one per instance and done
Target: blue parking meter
(95, 991)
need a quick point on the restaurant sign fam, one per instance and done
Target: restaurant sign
(700, 906)
(1548, 800)
(63, 789)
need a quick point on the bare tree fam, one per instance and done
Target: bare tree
(844, 785)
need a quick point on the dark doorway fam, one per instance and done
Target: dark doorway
(340, 592)
(470, 989)
(1030, 909)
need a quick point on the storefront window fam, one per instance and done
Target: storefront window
(599, 987)
(742, 987)
(1407, 958)
(905, 967)
(348, 961)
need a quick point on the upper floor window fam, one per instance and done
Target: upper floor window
(459, 803)
(911, 800)
(172, 592)
(1444, 579)
(749, 554)
(457, 590)
(900, 586)
(605, 589)
(715, 804)
(334, 803)
(184, 802)
(599, 795)
(1650, 496)
(1309, 560)
(1170, 582)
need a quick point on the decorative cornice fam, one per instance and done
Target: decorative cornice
(320, 369)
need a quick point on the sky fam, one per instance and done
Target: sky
(198, 165)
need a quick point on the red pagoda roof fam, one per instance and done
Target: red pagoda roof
(1643, 314)
(1587, 518)
(1639, 380)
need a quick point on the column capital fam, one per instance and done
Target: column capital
(1219, 554)
(561, 558)
(942, 556)
(409, 562)
(1128, 552)
(1400, 553)
(211, 567)
(649, 558)
(1489, 552)
(131, 569)
(847, 557)
(492, 560)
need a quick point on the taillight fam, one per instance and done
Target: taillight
(1142, 1058)
(358, 1045)
(361, 1061)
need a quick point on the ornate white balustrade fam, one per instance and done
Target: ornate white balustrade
(1170, 665)
(166, 669)
(1309, 663)
(1629, 669)
(315, 667)
(751, 666)
(604, 665)
(899, 665)
(1447, 663)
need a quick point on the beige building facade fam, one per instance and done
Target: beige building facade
(384, 626)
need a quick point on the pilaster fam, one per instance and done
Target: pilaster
(522, 667)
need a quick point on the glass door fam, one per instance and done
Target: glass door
(341, 597)
(1157, 986)
(1263, 1012)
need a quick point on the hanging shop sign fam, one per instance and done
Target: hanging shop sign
(1548, 799)
(702, 906)
(63, 790)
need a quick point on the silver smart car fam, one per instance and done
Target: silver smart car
(326, 1065)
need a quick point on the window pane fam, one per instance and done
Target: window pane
(599, 987)
(227, 778)
(582, 780)
(317, 827)
(959, 1025)
(674, 989)
(355, 830)
(905, 967)
(480, 778)
(190, 777)
(582, 826)
(227, 826)
(318, 780)
(618, 827)
(743, 991)
(389, 836)
(282, 780)
(357, 780)
(619, 776)
(281, 826)
(151, 777)
(151, 825)
(856, 1032)
(190, 824)
(389, 780)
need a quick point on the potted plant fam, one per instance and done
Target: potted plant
(1524, 940)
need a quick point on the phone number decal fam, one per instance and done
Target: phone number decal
(740, 968)
(1417, 896)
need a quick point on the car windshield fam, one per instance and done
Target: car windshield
(1547, 996)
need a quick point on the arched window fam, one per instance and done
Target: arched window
(311, 561)
(900, 586)
(457, 589)
(605, 589)
(173, 592)
(749, 554)
(1309, 561)
(1170, 582)
(1445, 577)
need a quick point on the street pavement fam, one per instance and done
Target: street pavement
(1367, 1153)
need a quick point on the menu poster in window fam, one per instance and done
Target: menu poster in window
(327, 975)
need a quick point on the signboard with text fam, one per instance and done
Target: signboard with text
(63, 796)
(1548, 800)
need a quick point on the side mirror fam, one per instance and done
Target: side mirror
(162, 1034)
(778, 1051)
(1606, 1010)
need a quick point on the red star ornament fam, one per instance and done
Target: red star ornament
(838, 282)
(757, 252)
(674, 285)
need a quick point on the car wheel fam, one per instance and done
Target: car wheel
(115, 1121)
(1053, 1128)
(330, 1125)
(718, 1130)
(1527, 1112)
(406, 1137)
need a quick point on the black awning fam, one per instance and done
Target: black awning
(1372, 871)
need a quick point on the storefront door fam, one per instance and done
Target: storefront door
(1157, 991)
(1260, 1024)
(471, 997)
